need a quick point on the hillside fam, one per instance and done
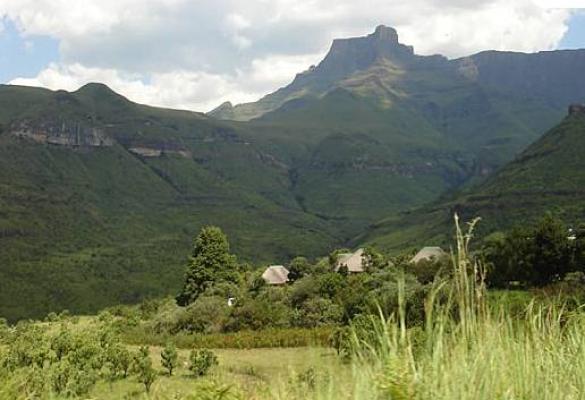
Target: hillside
(388, 130)
(491, 104)
(100, 197)
(546, 177)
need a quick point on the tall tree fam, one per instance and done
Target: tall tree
(210, 262)
(552, 256)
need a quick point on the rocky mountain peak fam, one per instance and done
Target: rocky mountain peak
(385, 33)
(577, 109)
(353, 54)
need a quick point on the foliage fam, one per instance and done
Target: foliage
(201, 361)
(210, 262)
(267, 338)
(169, 357)
(64, 360)
(143, 368)
(533, 256)
(298, 267)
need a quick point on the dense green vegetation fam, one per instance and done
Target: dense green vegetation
(456, 350)
(545, 178)
(99, 197)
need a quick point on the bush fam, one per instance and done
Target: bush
(202, 361)
(169, 357)
(318, 312)
(205, 315)
(143, 367)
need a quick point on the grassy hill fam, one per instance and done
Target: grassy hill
(546, 177)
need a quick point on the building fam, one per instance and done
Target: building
(353, 261)
(428, 254)
(275, 275)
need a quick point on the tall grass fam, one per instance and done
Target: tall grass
(470, 351)
(467, 349)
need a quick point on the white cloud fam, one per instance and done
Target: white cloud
(195, 54)
(570, 4)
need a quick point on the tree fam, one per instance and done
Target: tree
(210, 262)
(374, 260)
(579, 249)
(169, 357)
(298, 267)
(552, 251)
(143, 367)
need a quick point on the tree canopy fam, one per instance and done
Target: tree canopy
(211, 262)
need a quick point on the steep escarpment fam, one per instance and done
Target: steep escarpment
(60, 133)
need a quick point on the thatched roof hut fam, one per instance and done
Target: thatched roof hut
(275, 275)
(428, 254)
(353, 261)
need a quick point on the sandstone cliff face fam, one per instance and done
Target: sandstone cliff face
(63, 133)
(155, 151)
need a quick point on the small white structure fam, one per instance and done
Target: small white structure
(428, 254)
(353, 261)
(231, 301)
(275, 275)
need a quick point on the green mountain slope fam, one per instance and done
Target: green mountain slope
(546, 177)
(100, 197)
(388, 130)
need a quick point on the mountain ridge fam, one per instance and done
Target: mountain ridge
(100, 196)
(545, 178)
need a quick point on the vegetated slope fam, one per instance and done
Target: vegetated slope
(100, 198)
(388, 130)
(546, 177)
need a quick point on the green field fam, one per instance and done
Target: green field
(251, 373)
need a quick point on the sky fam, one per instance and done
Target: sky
(196, 54)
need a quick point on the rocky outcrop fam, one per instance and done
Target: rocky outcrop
(158, 151)
(224, 111)
(577, 109)
(64, 133)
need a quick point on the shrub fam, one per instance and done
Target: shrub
(143, 367)
(201, 361)
(205, 315)
(169, 357)
(318, 312)
(119, 361)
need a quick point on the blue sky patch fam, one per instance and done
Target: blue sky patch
(24, 56)
(575, 37)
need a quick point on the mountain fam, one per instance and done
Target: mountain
(100, 197)
(491, 103)
(389, 130)
(546, 177)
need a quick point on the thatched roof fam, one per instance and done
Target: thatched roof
(275, 275)
(428, 253)
(353, 261)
